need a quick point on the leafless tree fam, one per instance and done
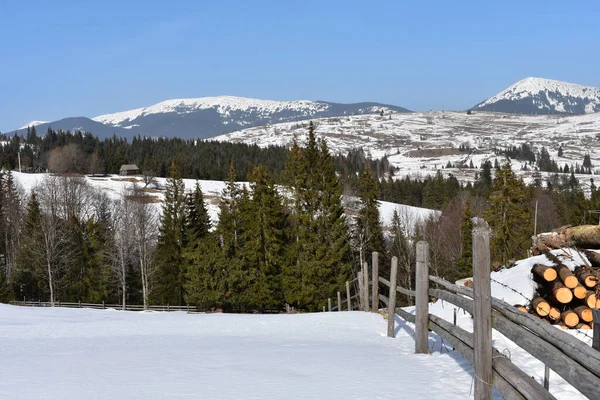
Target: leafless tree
(67, 160)
(145, 227)
(53, 254)
(124, 240)
(149, 178)
(97, 164)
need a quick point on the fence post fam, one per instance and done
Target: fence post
(323, 308)
(392, 306)
(168, 307)
(361, 290)
(422, 299)
(329, 304)
(79, 303)
(482, 310)
(366, 286)
(103, 306)
(596, 340)
(339, 299)
(349, 300)
(375, 289)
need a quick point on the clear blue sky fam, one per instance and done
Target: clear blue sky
(86, 58)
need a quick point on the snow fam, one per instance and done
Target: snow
(100, 354)
(516, 286)
(32, 123)
(96, 354)
(404, 139)
(115, 185)
(531, 86)
(223, 104)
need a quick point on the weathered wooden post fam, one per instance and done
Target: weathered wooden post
(348, 299)
(422, 299)
(482, 313)
(391, 332)
(79, 303)
(366, 286)
(375, 288)
(596, 340)
(361, 290)
(323, 308)
(339, 299)
(103, 305)
(329, 304)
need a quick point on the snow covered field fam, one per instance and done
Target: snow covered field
(99, 354)
(115, 185)
(107, 354)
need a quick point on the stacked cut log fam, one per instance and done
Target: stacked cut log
(565, 297)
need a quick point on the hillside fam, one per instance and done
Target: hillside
(421, 143)
(207, 116)
(115, 185)
(544, 96)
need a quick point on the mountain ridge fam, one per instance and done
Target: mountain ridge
(534, 95)
(206, 117)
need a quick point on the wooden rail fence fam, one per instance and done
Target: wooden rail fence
(572, 359)
(128, 307)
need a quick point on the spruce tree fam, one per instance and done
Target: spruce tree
(261, 257)
(318, 257)
(369, 235)
(509, 216)
(197, 218)
(171, 242)
(464, 264)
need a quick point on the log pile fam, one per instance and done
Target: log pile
(565, 297)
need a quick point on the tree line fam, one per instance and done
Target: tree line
(67, 241)
(283, 238)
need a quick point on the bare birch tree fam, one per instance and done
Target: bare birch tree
(145, 228)
(124, 242)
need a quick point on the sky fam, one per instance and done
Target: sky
(86, 58)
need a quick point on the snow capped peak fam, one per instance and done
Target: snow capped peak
(32, 123)
(545, 96)
(222, 104)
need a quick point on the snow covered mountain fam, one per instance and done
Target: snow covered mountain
(210, 116)
(544, 96)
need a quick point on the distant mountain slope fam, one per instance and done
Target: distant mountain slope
(211, 116)
(544, 96)
(77, 123)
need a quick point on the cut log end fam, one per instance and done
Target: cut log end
(583, 326)
(541, 306)
(521, 308)
(554, 314)
(591, 300)
(584, 313)
(547, 273)
(570, 318)
(563, 295)
(580, 292)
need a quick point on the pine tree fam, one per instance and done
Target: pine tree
(464, 264)
(402, 247)
(30, 261)
(206, 283)
(171, 242)
(318, 256)
(369, 234)
(508, 216)
(197, 218)
(261, 257)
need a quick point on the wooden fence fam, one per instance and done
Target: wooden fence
(128, 307)
(572, 359)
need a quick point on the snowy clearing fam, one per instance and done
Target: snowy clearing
(107, 354)
(115, 185)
